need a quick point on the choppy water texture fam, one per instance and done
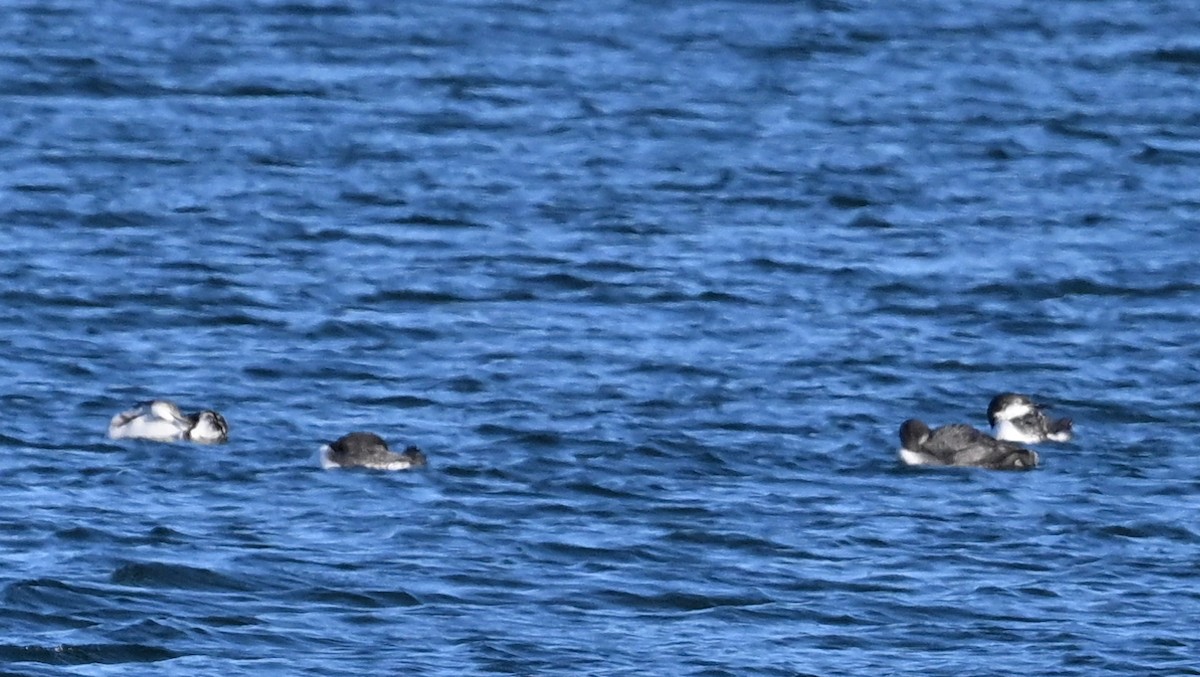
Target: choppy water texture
(652, 283)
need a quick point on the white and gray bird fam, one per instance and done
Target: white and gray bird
(162, 421)
(1016, 418)
(368, 450)
(961, 445)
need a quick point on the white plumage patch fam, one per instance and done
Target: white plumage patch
(913, 457)
(143, 423)
(326, 461)
(1014, 410)
(1059, 437)
(1005, 430)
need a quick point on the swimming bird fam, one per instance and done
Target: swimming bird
(368, 450)
(960, 444)
(1016, 418)
(162, 421)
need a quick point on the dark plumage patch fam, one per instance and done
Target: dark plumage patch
(963, 445)
(368, 450)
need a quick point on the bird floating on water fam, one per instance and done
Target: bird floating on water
(162, 421)
(960, 445)
(368, 450)
(1016, 418)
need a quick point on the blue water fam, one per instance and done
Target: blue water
(653, 284)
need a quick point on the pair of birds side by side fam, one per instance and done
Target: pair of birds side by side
(1015, 420)
(163, 421)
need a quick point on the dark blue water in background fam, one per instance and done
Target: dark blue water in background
(652, 283)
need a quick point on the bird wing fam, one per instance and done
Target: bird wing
(128, 415)
(961, 444)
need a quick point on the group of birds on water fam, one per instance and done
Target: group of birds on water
(163, 421)
(1015, 419)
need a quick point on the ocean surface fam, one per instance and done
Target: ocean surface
(653, 284)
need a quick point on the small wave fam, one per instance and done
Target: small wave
(1076, 286)
(563, 281)
(1163, 156)
(260, 90)
(721, 180)
(846, 201)
(432, 221)
(395, 401)
(870, 221)
(366, 599)
(526, 438)
(1088, 130)
(84, 654)
(680, 601)
(1141, 530)
(175, 576)
(1186, 56)
(424, 296)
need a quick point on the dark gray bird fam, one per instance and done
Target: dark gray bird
(1016, 418)
(368, 450)
(960, 444)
